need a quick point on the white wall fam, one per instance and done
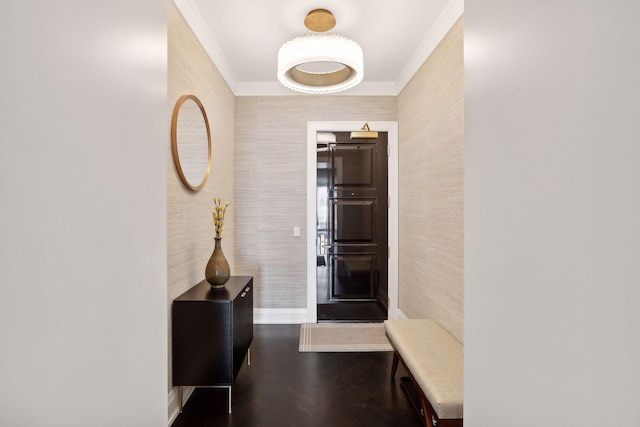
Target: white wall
(552, 213)
(83, 278)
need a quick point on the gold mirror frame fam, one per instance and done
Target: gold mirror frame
(174, 143)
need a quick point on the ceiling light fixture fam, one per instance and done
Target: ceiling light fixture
(320, 63)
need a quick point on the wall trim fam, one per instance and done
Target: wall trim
(276, 89)
(280, 316)
(396, 313)
(194, 18)
(400, 315)
(392, 129)
(447, 19)
(174, 404)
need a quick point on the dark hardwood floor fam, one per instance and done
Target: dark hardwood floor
(283, 387)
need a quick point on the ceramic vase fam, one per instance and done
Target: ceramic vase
(217, 272)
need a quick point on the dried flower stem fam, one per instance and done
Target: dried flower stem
(218, 215)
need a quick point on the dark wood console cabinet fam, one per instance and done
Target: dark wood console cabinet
(211, 334)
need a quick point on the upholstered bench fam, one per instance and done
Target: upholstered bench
(433, 359)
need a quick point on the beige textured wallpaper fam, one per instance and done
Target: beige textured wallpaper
(431, 133)
(271, 177)
(190, 226)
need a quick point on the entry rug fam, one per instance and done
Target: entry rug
(343, 337)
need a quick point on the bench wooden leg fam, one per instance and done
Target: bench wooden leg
(425, 411)
(394, 365)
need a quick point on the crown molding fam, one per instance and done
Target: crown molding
(276, 89)
(449, 16)
(194, 18)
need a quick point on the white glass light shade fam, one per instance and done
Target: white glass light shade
(324, 63)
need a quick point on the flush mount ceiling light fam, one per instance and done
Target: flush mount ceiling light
(320, 63)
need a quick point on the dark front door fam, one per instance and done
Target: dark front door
(352, 248)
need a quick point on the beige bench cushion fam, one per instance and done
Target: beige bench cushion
(434, 358)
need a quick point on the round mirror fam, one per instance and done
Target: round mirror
(191, 142)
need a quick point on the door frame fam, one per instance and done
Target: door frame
(392, 229)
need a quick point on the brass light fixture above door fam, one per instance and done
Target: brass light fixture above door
(364, 133)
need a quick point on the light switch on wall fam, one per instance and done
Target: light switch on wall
(296, 231)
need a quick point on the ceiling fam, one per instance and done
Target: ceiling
(243, 37)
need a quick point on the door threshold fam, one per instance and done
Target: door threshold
(351, 312)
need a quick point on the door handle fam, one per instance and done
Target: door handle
(323, 245)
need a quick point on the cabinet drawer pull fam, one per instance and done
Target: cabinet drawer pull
(242, 295)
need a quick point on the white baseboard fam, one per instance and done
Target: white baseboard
(396, 314)
(174, 403)
(292, 316)
(262, 316)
